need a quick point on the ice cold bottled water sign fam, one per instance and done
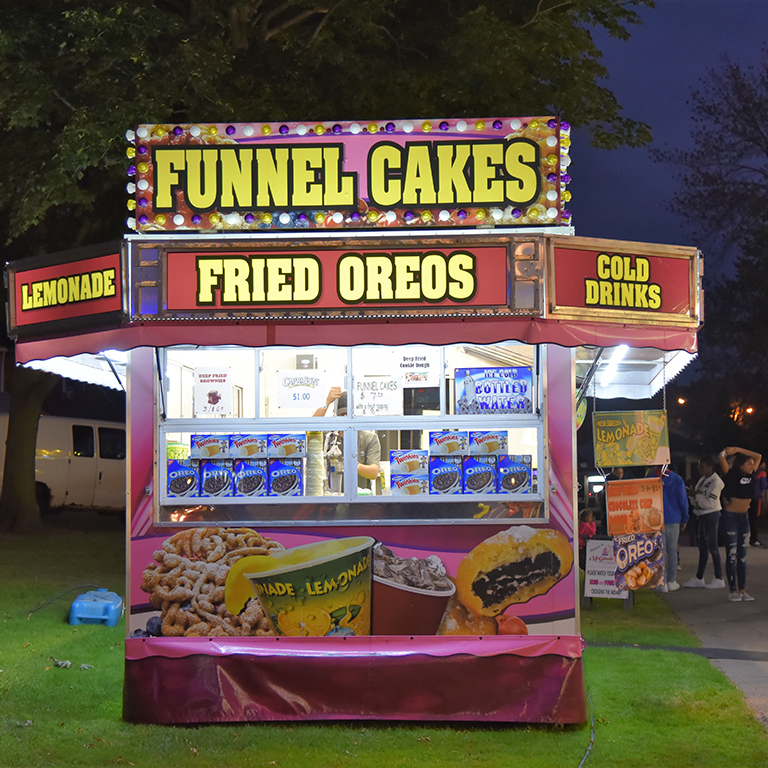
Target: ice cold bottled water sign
(493, 390)
(378, 396)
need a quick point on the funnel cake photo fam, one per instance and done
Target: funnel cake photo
(512, 567)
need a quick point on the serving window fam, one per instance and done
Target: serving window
(371, 433)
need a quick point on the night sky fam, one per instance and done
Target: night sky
(624, 194)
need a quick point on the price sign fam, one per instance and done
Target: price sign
(305, 390)
(378, 396)
(213, 391)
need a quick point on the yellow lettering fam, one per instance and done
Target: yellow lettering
(109, 282)
(307, 281)
(258, 278)
(453, 186)
(340, 188)
(73, 282)
(379, 278)
(236, 178)
(487, 157)
(418, 185)
(209, 273)
(85, 287)
(168, 163)
(521, 161)
(405, 286)
(26, 299)
(654, 296)
(461, 267)
(235, 281)
(307, 162)
(201, 189)
(434, 282)
(273, 177)
(603, 266)
(383, 161)
(351, 278)
(49, 293)
(278, 270)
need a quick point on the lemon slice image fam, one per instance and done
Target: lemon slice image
(238, 589)
(304, 622)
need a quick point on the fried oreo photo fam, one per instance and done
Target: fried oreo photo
(513, 566)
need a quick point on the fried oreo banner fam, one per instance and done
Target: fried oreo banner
(347, 175)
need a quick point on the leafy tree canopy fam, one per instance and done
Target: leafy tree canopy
(76, 73)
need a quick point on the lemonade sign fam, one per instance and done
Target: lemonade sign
(630, 438)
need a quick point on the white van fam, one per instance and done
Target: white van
(79, 462)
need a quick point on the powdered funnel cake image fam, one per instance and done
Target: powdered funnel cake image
(313, 590)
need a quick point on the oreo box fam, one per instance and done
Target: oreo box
(183, 478)
(215, 478)
(514, 474)
(248, 446)
(445, 475)
(209, 447)
(447, 443)
(487, 443)
(479, 474)
(409, 462)
(286, 477)
(250, 478)
(293, 445)
(409, 485)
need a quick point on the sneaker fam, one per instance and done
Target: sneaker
(716, 584)
(695, 582)
(745, 598)
(662, 588)
(757, 544)
(735, 597)
(672, 586)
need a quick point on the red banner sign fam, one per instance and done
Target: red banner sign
(336, 279)
(623, 282)
(66, 291)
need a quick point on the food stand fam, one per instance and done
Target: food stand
(427, 270)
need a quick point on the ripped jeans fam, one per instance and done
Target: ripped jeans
(736, 530)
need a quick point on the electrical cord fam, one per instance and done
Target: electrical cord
(66, 591)
(591, 732)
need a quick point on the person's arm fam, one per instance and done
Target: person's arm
(683, 501)
(731, 449)
(368, 471)
(371, 455)
(333, 394)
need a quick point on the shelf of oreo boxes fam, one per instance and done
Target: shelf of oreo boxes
(285, 465)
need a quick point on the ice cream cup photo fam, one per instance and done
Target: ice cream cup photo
(317, 589)
(399, 609)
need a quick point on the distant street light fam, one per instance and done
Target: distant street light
(750, 409)
(681, 400)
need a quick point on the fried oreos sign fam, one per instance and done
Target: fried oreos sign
(336, 279)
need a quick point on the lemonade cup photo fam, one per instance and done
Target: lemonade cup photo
(313, 590)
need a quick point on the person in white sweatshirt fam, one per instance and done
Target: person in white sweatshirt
(706, 512)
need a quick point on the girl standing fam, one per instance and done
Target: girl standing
(737, 496)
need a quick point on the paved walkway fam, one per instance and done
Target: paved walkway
(734, 635)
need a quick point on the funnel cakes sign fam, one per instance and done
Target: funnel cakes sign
(348, 175)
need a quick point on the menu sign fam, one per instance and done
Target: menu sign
(213, 391)
(630, 438)
(634, 506)
(378, 396)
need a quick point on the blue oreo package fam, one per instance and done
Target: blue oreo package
(183, 478)
(445, 475)
(250, 478)
(515, 474)
(480, 474)
(215, 478)
(286, 477)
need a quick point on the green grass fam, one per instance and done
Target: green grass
(651, 707)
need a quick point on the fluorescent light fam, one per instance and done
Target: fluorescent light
(610, 372)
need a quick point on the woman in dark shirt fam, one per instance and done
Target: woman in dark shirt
(737, 495)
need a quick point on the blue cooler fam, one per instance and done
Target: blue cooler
(99, 606)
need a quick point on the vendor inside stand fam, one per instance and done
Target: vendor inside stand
(368, 445)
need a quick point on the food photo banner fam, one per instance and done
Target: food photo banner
(634, 506)
(404, 174)
(630, 438)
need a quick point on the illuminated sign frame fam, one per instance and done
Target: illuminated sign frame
(630, 283)
(65, 291)
(398, 174)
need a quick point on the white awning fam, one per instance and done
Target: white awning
(106, 369)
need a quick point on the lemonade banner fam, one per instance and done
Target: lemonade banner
(630, 438)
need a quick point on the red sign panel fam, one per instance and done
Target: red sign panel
(336, 279)
(65, 291)
(623, 282)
